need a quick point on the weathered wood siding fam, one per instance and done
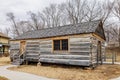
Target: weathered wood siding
(4, 40)
(45, 46)
(78, 53)
(32, 50)
(103, 50)
(95, 49)
(14, 48)
(80, 46)
(14, 45)
(82, 50)
(66, 59)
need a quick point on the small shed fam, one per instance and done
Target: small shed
(75, 44)
(4, 44)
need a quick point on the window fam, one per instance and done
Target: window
(61, 44)
(65, 44)
(56, 44)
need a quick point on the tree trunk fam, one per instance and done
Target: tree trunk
(119, 37)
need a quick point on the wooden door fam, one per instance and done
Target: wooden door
(99, 54)
(22, 46)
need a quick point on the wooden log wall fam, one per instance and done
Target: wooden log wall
(32, 50)
(67, 59)
(45, 46)
(94, 50)
(79, 53)
(14, 48)
(103, 51)
(80, 46)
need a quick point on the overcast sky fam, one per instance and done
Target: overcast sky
(20, 7)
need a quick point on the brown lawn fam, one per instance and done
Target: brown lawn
(4, 61)
(109, 54)
(103, 72)
(118, 57)
(118, 60)
(3, 78)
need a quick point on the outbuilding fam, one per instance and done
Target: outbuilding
(79, 44)
(4, 44)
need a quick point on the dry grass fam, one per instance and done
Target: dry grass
(4, 61)
(103, 72)
(109, 54)
(118, 58)
(3, 78)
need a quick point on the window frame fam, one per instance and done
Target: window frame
(64, 44)
(61, 45)
(57, 45)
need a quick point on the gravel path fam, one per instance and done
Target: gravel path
(14, 75)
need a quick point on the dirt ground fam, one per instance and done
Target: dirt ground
(103, 72)
(4, 61)
(3, 78)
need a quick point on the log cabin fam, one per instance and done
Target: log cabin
(4, 44)
(79, 44)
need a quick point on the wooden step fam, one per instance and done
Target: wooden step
(18, 61)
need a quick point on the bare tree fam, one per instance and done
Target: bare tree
(99, 10)
(76, 10)
(63, 17)
(90, 10)
(70, 12)
(119, 36)
(94, 10)
(34, 21)
(116, 12)
(41, 20)
(116, 31)
(107, 8)
(54, 15)
(15, 28)
(7, 31)
(23, 26)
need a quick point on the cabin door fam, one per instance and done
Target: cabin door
(22, 46)
(99, 54)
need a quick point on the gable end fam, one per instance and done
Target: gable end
(100, 31)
